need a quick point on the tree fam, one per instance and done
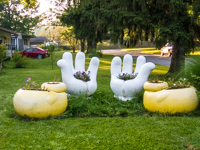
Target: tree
(158, 20)
(69, 36)
(85, 18)
(17, 17)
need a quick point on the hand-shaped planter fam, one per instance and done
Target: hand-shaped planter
(75, 86)
(125, 90)
(159, 99)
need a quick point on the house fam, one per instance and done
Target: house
(14, 40)
(38, 41)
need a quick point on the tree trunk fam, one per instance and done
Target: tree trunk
(73, 48)
(89, 46)
(82, 45)
(178, 58)
(1, 66)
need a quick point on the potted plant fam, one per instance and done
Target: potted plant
(35, 102)
(179, 98)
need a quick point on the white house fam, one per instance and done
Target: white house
(14, 40)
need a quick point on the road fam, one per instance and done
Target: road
(155, 58)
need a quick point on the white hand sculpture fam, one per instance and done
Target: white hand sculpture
(125, 90)
(76, 86)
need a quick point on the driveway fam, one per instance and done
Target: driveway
(155, 58)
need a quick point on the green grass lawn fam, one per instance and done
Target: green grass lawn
(100, 122)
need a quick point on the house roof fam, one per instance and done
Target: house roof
(38, 39)
(10, 31)
(14, 32)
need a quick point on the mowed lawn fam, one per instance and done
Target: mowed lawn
(142, 131)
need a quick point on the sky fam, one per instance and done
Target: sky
(44, 5)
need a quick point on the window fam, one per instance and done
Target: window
(8, 46)
(25, 42)
(14, 46)
(29, 50)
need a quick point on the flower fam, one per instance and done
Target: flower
(82, 75)
(126, 76)
(30, 85)
(181, 83)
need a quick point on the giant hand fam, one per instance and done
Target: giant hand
(125, 90)
(76, 86)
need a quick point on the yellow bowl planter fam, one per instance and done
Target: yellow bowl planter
(39, 104)
(171, 101)
(54, 86)
(153, 87)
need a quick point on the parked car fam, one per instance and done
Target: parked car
(167, 49)
(35, 52)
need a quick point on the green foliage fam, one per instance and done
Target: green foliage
(65, 47)
(51, 49)
(2, 52)
(103, 104)
(19, 60)
(94, 53)
(21, 20)
(2, 55)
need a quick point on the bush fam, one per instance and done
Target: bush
(102, 104)
(94, 53)
(51, 49)
(191, 73)
(2, 55)
(19, 60)
(65, 47)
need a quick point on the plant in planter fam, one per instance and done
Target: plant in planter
(126, 76)
(84, 76)
(179, 98)
(126, 84)
(35, 102)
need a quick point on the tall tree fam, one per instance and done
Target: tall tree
(158, 20)
(87, 22)
(69, 36)
(17, 17)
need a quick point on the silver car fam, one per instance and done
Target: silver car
(167, 49)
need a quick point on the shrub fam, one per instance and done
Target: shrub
(102, 104)
(51, 49)
(191, 73)
(19, 60)
(2, 55)
(94, 53)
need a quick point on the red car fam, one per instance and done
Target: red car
(35, 52)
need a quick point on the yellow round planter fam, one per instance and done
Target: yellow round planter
(153, 87)
(39, 104)
(54, 86)
(171, 101)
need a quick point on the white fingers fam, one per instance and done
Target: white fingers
(80, 61)
(127, 64)
(141, 60)
(93, 68)
(115, 66)
(67, 56)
